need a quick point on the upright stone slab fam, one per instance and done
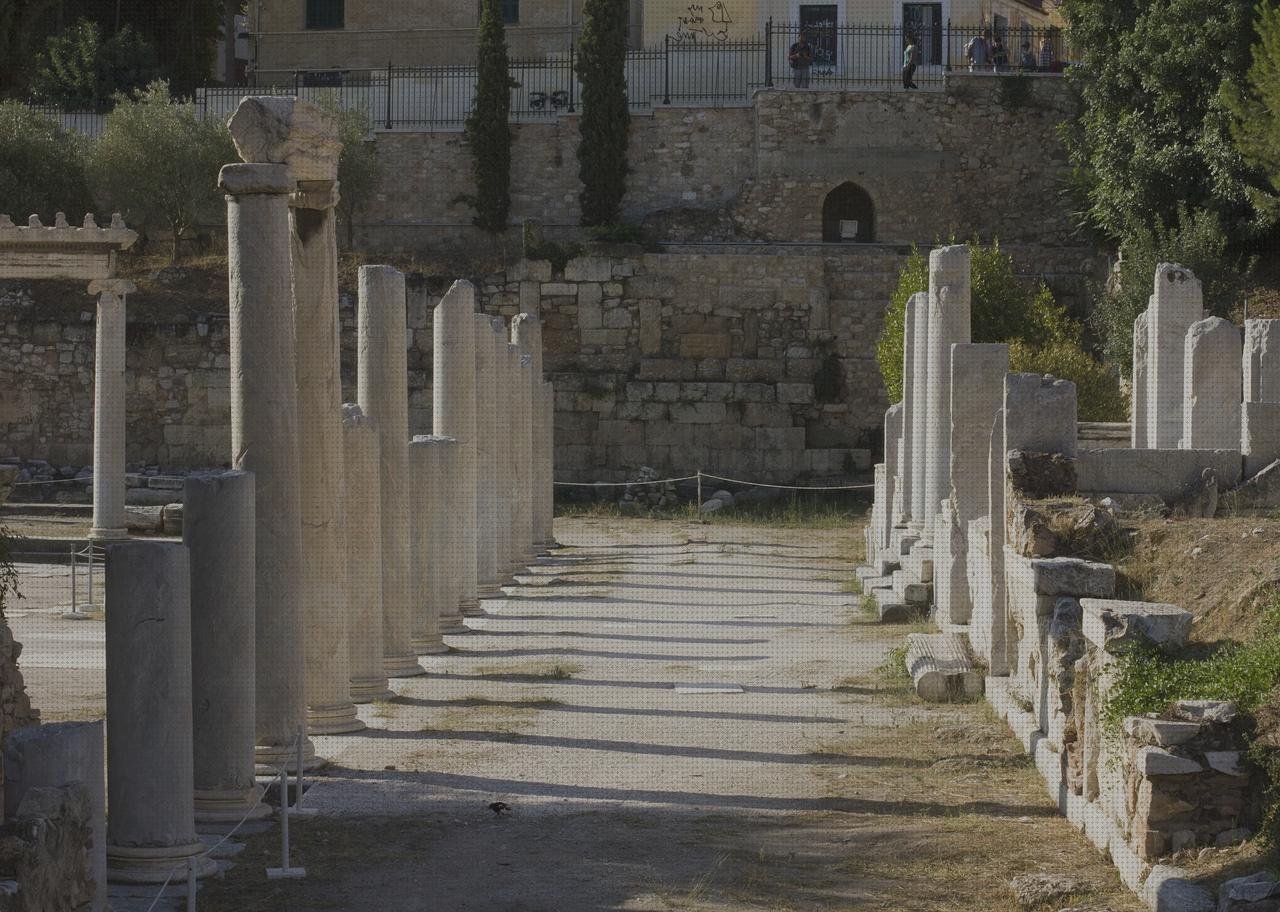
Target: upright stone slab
(1212, 385)
(1259, 435)
(1175, 305)
(362, 532)
(977, 394)
(454, 415)
(109, 410)
(1138, 394)
(151, 828)
(218, 530)
(52, 755)
(903, 481)
(264, 440)
(893, 442)
(440, 562)
(988, 626)
(919, 445)
(487, 442)
(1261, 361)
(383, 392)
(949, 284)
(1039, 414)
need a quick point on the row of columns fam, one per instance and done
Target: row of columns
(337, 549)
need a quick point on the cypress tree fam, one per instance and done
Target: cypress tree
(488, 131)
(602, 153)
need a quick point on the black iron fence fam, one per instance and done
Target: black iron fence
(915, 55)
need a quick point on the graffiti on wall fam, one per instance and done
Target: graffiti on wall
(704, 22)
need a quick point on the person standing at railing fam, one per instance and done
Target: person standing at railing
(1027, 60)
(999, 55)
(910, 58)
(801, 59)
(1046, 54)
(979, 51)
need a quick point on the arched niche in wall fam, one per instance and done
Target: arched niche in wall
(848, 215)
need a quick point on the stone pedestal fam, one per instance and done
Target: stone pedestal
(316, 330)
(949, 283)
(1176, 304)
(218, 530)
(384, 395)
(109, 410)
(52, 755)
(437, 515)
(453, 414)
(264, 440)
(362, 533)
(1139, 432)
(151, 829)
(487, 443)
(1261, 361)
(917, 450)
(1212, 384)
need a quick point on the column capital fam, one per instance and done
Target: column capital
(111, 288)
(243, 179)
(318, 194)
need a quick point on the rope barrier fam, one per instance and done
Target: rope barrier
(54, 481)
(701, 475)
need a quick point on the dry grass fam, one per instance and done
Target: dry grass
(555, 671)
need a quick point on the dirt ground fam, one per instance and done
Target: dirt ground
(822, 786)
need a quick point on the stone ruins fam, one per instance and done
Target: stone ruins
(955, 531)
(333, 553)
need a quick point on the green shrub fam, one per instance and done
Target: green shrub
(1098, 393)
(81, 69)
(1004, 307)
(359, 170)
(41, 167)
(1198, 241)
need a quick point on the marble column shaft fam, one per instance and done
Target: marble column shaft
(949, 322)
(901, 511)
(151, 825)
(264, 440)
(218, 530)
(919, 407)
(109, 410)
(1138, 433)
(505, 357)
(486, 456)
(1261, 361)
(526, 332)
(362, 531)
(453, 414)
(384, 395)
(319, 371)
(1175, 305)
(434, 461)
(546, 494)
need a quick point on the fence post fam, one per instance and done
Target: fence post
(666, 69)
(573, 79)
(295, 83)
(390, 73)
(947, 45)
(768, 52)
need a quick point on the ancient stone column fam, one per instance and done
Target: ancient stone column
(506, 357)
(892, 472)
(453, 413)
(486, 458)
(151, 826)
(384, 395)
(919, 330)
(949, 283)
(439, 561)
(1212, 386)
(109, 410)
(218, 530)
(546, 495)
(362, 532)
(526, 332)
(1176, 304)
(1261, 361)
(316, 329)
(264, 440)
(903, 485)
(1138, 393)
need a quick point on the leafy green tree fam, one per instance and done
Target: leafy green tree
(1255, 111)
(606, 116)
(41, 166)
(81, 69)
(488, 130)
(157, 161)
(184, 33)
(23, 26)
(360, 172)
(1153, 131)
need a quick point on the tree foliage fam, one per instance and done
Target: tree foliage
(1007, 308)
(157, 161)
(23, 26)
(606, 116)
(360, 172)
(83, 70)
(1154, 131)
(41, 166)
(1255, 111)
(488, 130)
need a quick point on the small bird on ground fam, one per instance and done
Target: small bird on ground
(499, 807)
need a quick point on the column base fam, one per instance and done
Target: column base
(216, 807)
(268, 758)
(489, 590)
(108, 535)
(452, 623)
(338, 719)
(470, 608)
(155, 864)
(402, 666)
(425, 647)
(367, 690)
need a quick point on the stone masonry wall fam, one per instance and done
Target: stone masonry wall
(752, 362)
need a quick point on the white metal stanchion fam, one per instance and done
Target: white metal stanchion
(297, 808)
(191, 885)
(285, 871)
